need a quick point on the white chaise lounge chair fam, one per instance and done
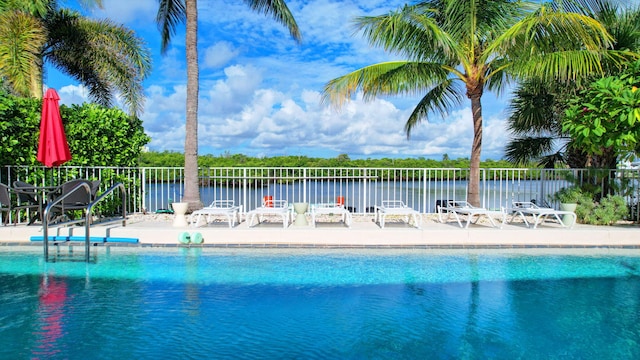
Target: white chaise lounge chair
(225, 208)
(539, 214)
(330, 209)
(397, 207)
(271, 207)
(458, 208)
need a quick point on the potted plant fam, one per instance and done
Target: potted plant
(568, 198)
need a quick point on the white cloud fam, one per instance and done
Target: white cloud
(219, 55)
(163, 118)
(73, 94)
(129, 11)
(231, 94)
(78, 94)
(271, 122)
(171, 66)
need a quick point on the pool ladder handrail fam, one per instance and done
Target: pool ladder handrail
(87, 215)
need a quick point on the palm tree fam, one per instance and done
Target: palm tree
(104, 57)
(535, 122)
(461, 48)
(170, 14)
(537, 108)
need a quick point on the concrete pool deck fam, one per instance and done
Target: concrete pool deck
(157, 230)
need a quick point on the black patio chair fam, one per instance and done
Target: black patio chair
(28, 198)
(95, 186)
(5, 203)
(76, 197)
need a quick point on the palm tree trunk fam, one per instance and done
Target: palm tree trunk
(473, 192)
(36, 82)
(191, 186)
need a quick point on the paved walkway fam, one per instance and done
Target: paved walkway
(158, 231)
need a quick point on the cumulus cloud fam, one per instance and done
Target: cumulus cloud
(172, 66)
(163, 118)
(265, 121)
(230, 94)
(128, 11)
(219, 55)
(78, 94)
(73, 94)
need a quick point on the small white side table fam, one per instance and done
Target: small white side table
(300, 210)
(179, 211)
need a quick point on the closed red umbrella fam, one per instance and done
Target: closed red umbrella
(53, 149)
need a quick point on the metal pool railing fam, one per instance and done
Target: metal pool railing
(152, 189)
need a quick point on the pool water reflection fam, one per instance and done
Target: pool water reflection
(177, 303)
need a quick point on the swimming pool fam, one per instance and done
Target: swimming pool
(335, 303)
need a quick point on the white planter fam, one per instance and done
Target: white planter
(568, 219)
(179, 211)
(300, 210)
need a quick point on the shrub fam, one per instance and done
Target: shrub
(569, 195)
(584, 210)
(608, 211)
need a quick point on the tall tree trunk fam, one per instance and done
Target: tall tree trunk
(36, 82)
(473, 192)
(191, 186)
(576, 158)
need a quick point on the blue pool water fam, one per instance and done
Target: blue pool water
(323, 304)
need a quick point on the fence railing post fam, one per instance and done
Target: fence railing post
(365, 191)
(143, 188)
(304, 185)
(245, 184)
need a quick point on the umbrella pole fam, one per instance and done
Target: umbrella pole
(45, 234)
(45, 215)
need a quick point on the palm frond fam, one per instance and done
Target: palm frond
(280, 12)
(126, 60)
(478, 22)
(624, 26)
(171, 13)
(442, 98)
(497, 79)
(527, 149)
(585, 7)
(409, 32)
(101, 55)
(22, 38)
(550, 161)
(534, 109)
(389, 78)
(560, 65)
(575, 50)
(35, 8)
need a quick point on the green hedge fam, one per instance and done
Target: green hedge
(97, 136)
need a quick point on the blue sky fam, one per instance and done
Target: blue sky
(260, 91)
